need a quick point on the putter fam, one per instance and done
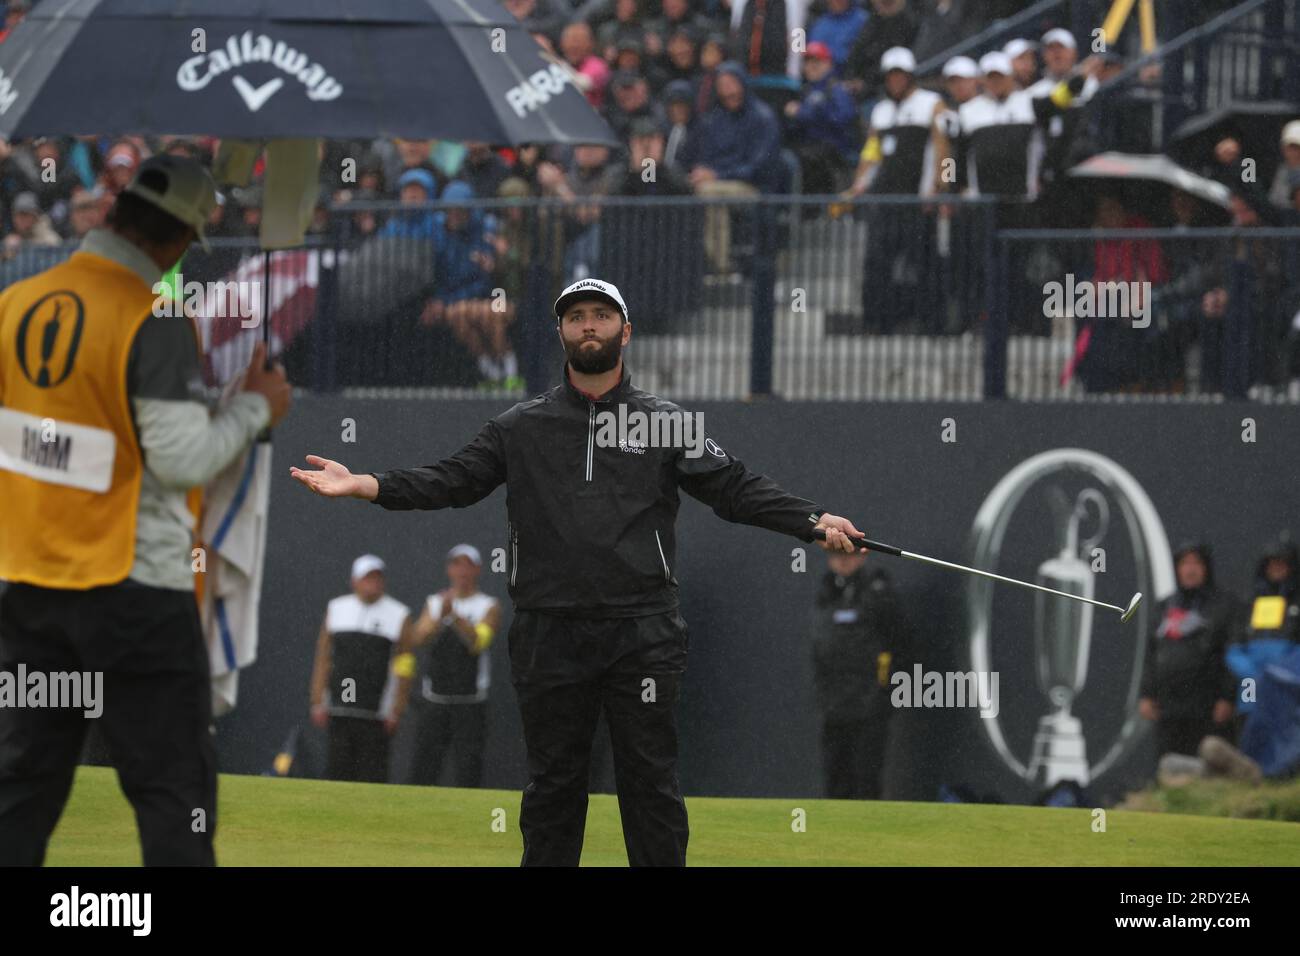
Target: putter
(1125, 613)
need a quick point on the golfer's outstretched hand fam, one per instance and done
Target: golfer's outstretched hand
(837, 531)
(333, 480)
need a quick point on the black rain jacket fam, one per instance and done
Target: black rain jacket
(591, 527)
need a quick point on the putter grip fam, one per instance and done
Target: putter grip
(867, 543)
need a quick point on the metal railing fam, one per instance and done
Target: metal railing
(1205, 313)
(1249, 53)
(803, 297)
(806, 298)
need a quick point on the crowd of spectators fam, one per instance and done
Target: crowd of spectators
(731, 99)
(1204, 661)
(656, 60)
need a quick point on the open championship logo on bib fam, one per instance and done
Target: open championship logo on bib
(48, 336)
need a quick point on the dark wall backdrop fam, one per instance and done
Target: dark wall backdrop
(748, 721)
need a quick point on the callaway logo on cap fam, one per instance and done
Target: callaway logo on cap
(590, 289)
(179, 186)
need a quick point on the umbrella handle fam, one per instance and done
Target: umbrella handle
(265, 434)
(266, 305)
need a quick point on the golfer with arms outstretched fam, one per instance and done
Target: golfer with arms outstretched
(591, 556)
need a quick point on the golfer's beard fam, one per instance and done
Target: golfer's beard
(594, 361)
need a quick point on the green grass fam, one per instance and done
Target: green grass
(274, 822)
(1220, 797)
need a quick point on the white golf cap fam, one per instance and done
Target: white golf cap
(898, 58)
(1018, 47)
(180, 187)
(590, 289)
(1058, 35)
(466, 551)
(1291, 133)
(960, 66)
(995, 62)
(365, 565)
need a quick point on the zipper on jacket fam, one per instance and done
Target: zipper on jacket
(514, 554)
(662, 560)
(591, 437)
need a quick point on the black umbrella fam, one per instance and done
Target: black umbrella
(1257, 126)
(456, 69)
(1144, 183)
(293, 70)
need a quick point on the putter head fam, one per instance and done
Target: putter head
(1132, 606)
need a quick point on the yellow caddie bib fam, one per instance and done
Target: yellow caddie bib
(70, 461)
